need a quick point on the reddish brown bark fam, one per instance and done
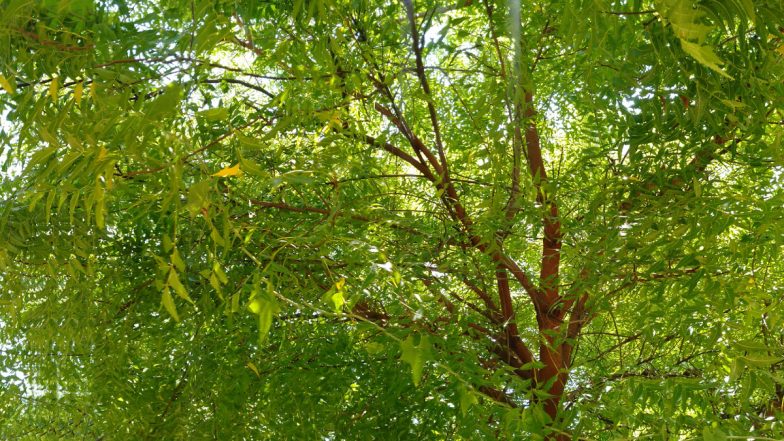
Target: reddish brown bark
(554, 354)
(550, 306)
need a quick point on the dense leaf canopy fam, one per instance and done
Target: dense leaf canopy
(371, 219)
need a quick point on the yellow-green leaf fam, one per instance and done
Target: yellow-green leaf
(373, 347)
(416, 355)
(6, 85)
(255, 306)
(78, 91)
(100, 207)
(99, 215)
(760, 361)
(705, 56)
(266, 306)
(215, 284)
(213, 115)
(235, 302)
(177, 261)
(338, 300)
(252, 366)
(198, 196)
(216, 237)
(216, 268)
(53, 88)
(179, 288)
(168, 303)
(467, 399)
(167, 243)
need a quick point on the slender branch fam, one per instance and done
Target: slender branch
(402, 155)
(416, 143)
(323, 211)
(407, 175)
(211, 144)
(420, 71)
(240, 82)
(482, 294)
(53, 43)
(497, 395)
(646, 12)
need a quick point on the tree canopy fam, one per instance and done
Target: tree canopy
(372, 219)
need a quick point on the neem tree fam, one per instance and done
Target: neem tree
(381, 220)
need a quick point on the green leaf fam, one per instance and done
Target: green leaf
(98, 195)
(467, 399)
(218, 271)
(748, 9)
(174, 282)
(335, 295)
(167, 243)
(684, 18)
(713, 434)
(338, 301)
(761, 361)
(216, 237)
(177, 260)
(198, 196)
(705, 56)
(736, 369)
(265, 305)
(166, 104)
(750, 346)
(416, 355)
(373, 347)
(168, 302)
(214, 115)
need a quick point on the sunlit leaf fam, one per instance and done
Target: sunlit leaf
(54, 87)
(265, 305)
(78, 91)
(179, 288)
(252, 367)
(705, 56)
(229, 171)
(5, 84)
(168, 303)
(177, 261)
(416, 354)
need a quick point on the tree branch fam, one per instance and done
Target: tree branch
(507, 309)
(551, 242)
(420, 71)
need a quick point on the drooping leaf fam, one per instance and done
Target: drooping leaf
(168, 303)
(78, 91)
(54, 87)
(416, 355)
(174, 281)
(265, 305)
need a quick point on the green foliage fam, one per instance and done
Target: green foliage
(416, 355)
(213, 225)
